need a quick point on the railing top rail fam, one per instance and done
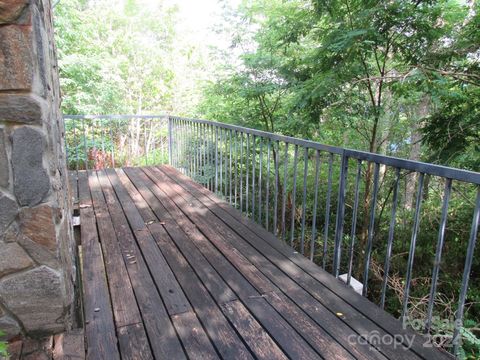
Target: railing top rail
(79, 117)
(418, 166)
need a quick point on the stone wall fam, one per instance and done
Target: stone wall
(36, 239)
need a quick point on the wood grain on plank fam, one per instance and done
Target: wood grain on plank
(171, 292)
(360, 303)
(296, 347)
(298, 281)
(163, 338)
(260, 342)
(101, 340)
(226, 341)
(133, 343)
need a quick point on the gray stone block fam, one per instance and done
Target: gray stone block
(31, 181)
(8, 211)
(13, 259)
(4, 169)
(28, 109)
(35, 297)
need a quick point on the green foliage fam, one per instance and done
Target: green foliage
(123, 59)
(3, 346)
(378, 70)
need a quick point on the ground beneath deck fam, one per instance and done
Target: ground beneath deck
(170, 271)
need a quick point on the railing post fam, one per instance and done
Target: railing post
(216, 159)
(340, 215)
(170, 141)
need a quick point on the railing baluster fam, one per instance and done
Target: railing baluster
(371, 229)
(67, 150)
(102, 141)
(247, 159)
(294, 195)
(153, 142)
(174, 142)
(94, 144)
(275, 196)
(388, 253)
(438, 253)
(413, 243)
(466, 273)
(221, 163)
(267, 199)
(304, 201)
(327, 211)
(254, 165)
(199, 153)
(216, 159)
(354, 221)
(145, 142)
(241, 171)
(205, 158)
(112, 151)
(235, 168)
(230, 167)
(193, 142)
(195, 151)
(315, 205)
(284, 193)
(260, 182)
(337, 258)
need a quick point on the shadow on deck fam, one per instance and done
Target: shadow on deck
(170, 271)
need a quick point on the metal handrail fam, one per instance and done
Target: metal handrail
(245, 167)
(418, 166)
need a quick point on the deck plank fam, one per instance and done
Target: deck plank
(276, 325)
(163, 338)
(228, 344)
(262, 345)
(132, 340)
(168, 286)
(298, 266)
(332, 328)
(134, 343)
(101, 339)
(305, 291)
(171, 292)
(171, 271)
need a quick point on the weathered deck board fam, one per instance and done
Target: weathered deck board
(101, 339)
(181, 274)
(163, 339)
(328, 347)
(131, 333)
(325, 318)
(360, 304)
(360, 314)
(227, 342)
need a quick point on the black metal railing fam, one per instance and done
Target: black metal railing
(399, 227)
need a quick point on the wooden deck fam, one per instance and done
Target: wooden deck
(170, 271)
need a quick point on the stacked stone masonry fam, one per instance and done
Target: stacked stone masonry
(37, 274)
